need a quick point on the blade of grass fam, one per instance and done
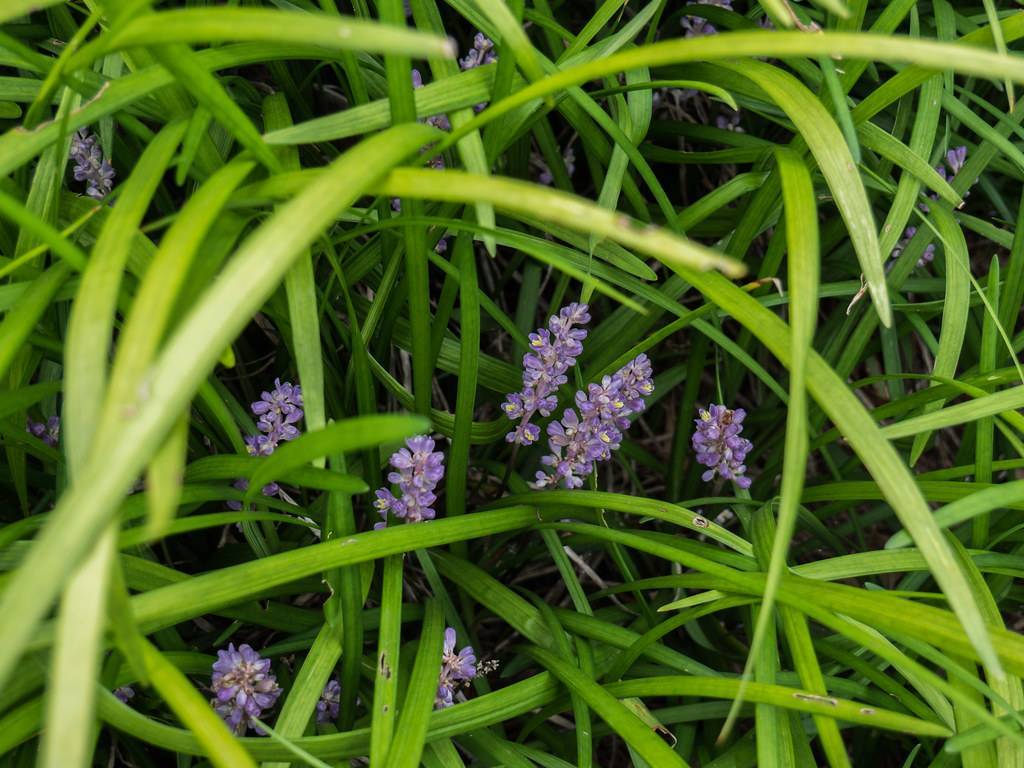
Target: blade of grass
(213, 736)
(385, 679)
(300, 703)
(300, 290)
(212, 25)
(551, 205)
(407, 747)
(803, 270)
(82, 611)
(629, 727)
(339, 437)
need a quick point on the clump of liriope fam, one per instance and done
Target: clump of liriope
(580, 439)
(278, 412)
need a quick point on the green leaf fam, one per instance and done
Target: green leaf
(567, 210)
(802, 269)
(630, 728)
(339, 437)
(823, 137)
(328, 31)
(15, 8)
(413, 723)
(383, 714)
(300, 703)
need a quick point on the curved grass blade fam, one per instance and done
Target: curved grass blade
(82, 613)
(212, 735)
(221, 25)
(832, 154)
(551, 205)
(407, 747)
(300, 291)
(802, 269)
(629, 727)
(338, 437)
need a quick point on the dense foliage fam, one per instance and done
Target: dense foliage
(511, 383)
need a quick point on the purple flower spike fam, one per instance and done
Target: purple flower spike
(330, 702)
(438, 121)
(581, 440)
(698, 26)
(418, 468)
(543, 172)
(124, 693)
(277, 412)
(481, 53)
(457, 669)
(955, 159)
(908, 234)
(49, 432)
(719, 446)
(243, 687)
(90, 165)
(554, 351)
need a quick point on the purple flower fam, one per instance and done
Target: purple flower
(543, 172)
(481, 53)
(90, 165)
(637, 382)
(580, 440)
(729, 120)
(955, 159)
(719, 446)
(243, 687)
(908, 234)
(241, 484)
(123, 693)
(698, 26)
(277, 412)
(554, 351)
(49, 432)
(438, 121)
(329, 703)
(457, 669)
(418, 468)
